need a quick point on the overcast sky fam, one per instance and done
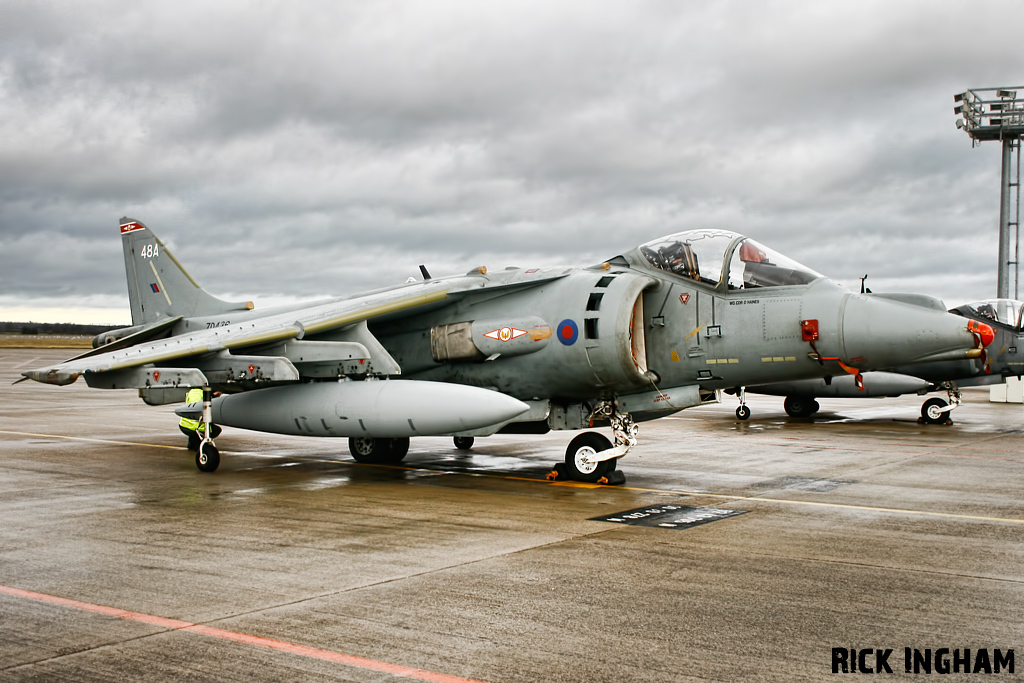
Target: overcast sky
(300, 149)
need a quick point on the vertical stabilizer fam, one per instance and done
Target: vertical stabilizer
(158, 286)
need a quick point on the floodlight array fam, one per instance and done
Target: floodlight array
(990, 113)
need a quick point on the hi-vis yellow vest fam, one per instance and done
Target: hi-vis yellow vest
(193, 396)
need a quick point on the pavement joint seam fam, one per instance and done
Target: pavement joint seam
(415, 575)
(889, 568)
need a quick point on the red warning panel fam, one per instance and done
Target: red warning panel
(809, 330)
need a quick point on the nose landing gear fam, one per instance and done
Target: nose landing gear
(590, 457)
(935, 411)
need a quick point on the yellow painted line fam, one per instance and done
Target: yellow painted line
(83, 438)
(720, 496)
(577, 484)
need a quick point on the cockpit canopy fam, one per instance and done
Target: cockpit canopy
(1005, 311)
(711, 255)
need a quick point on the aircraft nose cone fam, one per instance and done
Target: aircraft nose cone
(985, 332)
(881, 333)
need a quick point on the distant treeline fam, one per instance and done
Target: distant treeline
(55, 328)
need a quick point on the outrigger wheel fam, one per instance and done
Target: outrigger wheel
(207, 457)
(743, 412)
(579, 462)
(378, 451)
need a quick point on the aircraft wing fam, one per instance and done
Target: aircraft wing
(181, 360)
(292, 325)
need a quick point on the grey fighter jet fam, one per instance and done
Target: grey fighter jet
(998, 322)
(645, 334)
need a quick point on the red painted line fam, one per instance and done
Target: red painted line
(246, 638)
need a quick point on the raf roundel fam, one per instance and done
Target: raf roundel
(568, 332)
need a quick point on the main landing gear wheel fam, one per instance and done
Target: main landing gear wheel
(207, 457)
(932, 413)
(579, 462)
(378, 451)
(799, 406)
(463, 443)
(743, 413)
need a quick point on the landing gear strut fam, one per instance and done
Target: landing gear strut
(591, 457)
(207, 455)
(935, 411)
(743, 412)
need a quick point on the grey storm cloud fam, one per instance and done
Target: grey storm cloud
(304, 149)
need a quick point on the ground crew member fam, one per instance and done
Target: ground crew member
(195, 430)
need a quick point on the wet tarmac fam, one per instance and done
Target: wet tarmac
(860, 529)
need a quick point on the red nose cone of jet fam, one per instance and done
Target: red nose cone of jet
(985, 333)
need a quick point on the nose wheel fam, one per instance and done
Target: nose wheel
(591, 457)
(580, 463)
(935, 411)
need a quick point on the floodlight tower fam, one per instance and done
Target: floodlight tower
(996, 114)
